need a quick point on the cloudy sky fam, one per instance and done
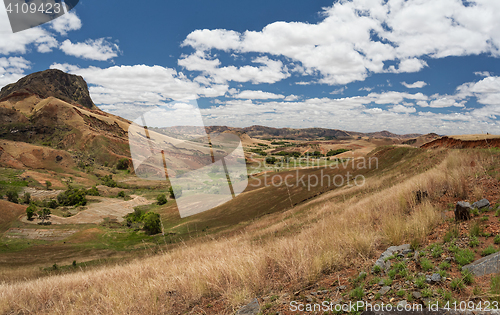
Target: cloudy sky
(362, 65)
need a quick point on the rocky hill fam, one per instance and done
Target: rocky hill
(56, 83)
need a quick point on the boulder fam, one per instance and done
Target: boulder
(462, 211)
(386, 265)
(484, 266)
(252, 308)
(483, 203)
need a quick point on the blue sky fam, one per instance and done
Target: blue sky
(413, 66)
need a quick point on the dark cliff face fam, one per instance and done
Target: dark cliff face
(56, 83)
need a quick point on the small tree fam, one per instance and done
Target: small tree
(122, 164)
(48, 184)
(12, 196)
(44, 214)
(121, 194)
(27, 198)
(152, 223)
(30, 211)
(162, 199)
(175, 192)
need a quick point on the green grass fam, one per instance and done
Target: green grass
(357, 293)
(457, 284)
(474, 241)
(496, 240)
(464, 256)
(475, 229)
(420, 282)
(444, 265)
(426, 264)
(436, 250)
(488, 250)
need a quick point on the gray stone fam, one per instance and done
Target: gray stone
(381, 282)
(462, 211)
(402, 304)
(436, 277)
(416, 295)
(384, 290)
(386, 265)
(484, 266)
(483, 203)
(448, 259)
(309, 299)
(252, 308)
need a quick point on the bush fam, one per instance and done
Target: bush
(426, 264)
(474, 241)
(93, 191)
(30, 211)
(175, 192)
(72, 197)
(475, 229)
(152, 223)
(107, 180)
(496, 240)
(12, 196)
(122, 164)
(162, 199)
(136, 216)
(271, 160)
(44, 214)
(48, 185)
(27, 198)
(357, 293)
(488, 251)
(121, 194)
(52, 204)
(464, 256)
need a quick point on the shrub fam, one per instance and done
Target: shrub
(161, 199)
(436, 250)
(121, 194)
(107, 180)
(444, 265)
(475, 229)
(464, 256)
(420, 282)
(377, 269)
(175, 192)
(426, 293)
(457, 284)
(468, 277)
(12, 196)
(152, 223)
(30, 211)
(72, 197)
(27, 198)
(452, 233)
(136, 216)
(496, 240)
(426, 264)
(44, 214)
(92, 191)
(271, 160)
(52, 203)
(488, 251)
(357, 293)
(122, 164)
(473, 241)
(48, 184)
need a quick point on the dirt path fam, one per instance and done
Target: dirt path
(112, 208)
(39, 194)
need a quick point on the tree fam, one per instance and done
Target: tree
(48, 185)
(162, 199)
(72, 197)
(152, 223)
(121, 194)
(44, 214)
(27, 198)
(30, 211)
(175, 192)
(12, 196)
(271, 160)
(122, 164)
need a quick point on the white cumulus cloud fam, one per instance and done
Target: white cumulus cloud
(98, 49)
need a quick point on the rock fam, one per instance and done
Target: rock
(313, 293)
(252, 308)
(462, 211)
(381, 282)
(483, 203)
(436, 277)
(416, 295)
(342, 287)
(484, 266)
(448, 259)
(384, 290)
(402, 304)
(386, 265)
(309, 299)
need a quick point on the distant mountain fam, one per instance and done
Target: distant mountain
(56, 83)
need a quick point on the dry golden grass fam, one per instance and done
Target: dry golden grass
(327, 236)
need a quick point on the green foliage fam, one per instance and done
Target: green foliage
(258, 151)
(377, 269)
(436, 250)
(107, 180)
(496, 240)
(475, 229)
(357, 293)
(452, 233)
(92, 191)
(457, 284)
(161, 199)
(52, 203)
(271, 160)
(335, 152)
(464, 256)
(426, 264)
(175, 191)
(30, 211)
(122, 164)
(121, 194)
(12, 196)
(444, 265)
(152, 223)
(420, 282)
(468, 277)
(48, 184)
(388, 282)
(72, 197)
(489, 250)
(401, 293)
(474, 241)
(392, 273)
(495, 287)
(44, 214)
(26, 198)
(426, 293)
(136, 216)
